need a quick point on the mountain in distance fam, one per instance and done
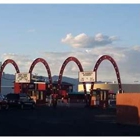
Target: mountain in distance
(8, 82)
(73, 81)
(8, 79)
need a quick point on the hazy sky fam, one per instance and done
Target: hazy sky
(86, 31)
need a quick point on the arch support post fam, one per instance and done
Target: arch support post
(107, 57)
(4, 65)
(62, 70)
(44, 62)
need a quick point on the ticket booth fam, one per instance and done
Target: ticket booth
(37, 90)
(40, 91)
(99, 98)
(112, 99)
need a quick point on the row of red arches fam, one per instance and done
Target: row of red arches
(104, 57)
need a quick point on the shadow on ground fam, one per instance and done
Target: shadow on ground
(63, 121)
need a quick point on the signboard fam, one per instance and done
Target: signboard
(87, 76)
(22, 77)
(42, 86)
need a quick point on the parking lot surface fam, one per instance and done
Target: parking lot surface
(63, 121)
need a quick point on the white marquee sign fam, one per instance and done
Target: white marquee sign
(87, 76)
(22, 77)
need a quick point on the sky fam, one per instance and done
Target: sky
(55, 32)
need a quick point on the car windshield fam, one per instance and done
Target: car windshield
(1, 96)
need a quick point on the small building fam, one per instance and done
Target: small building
(127, 88)
(39, 90)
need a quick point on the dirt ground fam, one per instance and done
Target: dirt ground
(63, 121)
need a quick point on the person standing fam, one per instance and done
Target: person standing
(50, 100)
(54, 100)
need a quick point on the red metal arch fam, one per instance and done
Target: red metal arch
(104, 57)
(3, 66)
(63, 67)
(46, 66)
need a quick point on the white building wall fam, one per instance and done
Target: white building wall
(128, 88)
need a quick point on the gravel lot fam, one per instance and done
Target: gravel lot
(63, 121)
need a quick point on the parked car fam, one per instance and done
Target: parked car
(20, 100)
(3, 102)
